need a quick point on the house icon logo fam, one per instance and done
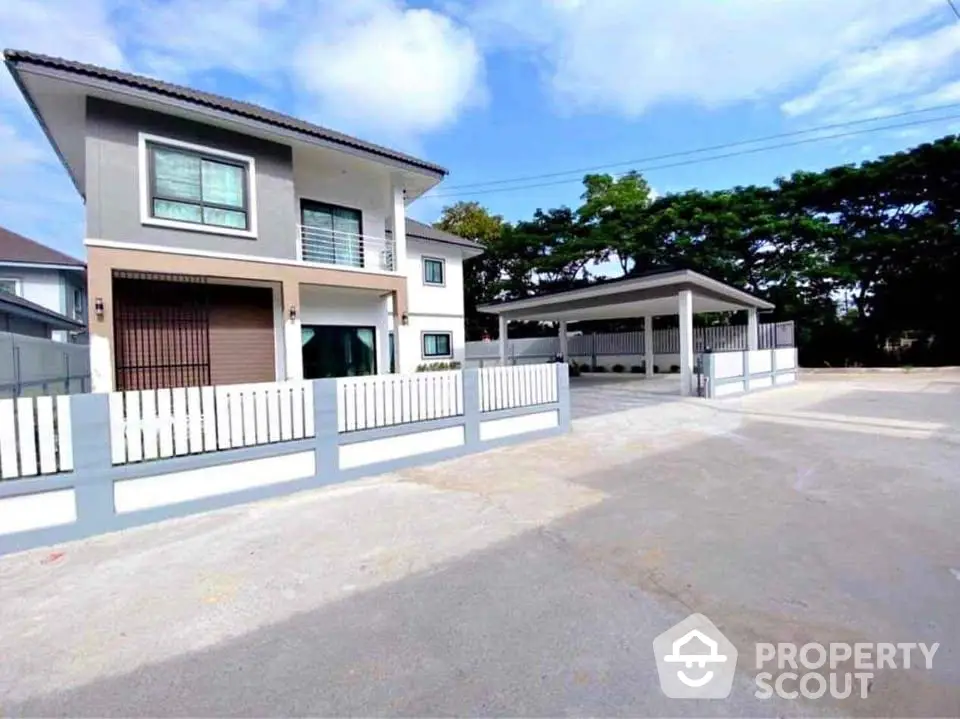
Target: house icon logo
(694, 660)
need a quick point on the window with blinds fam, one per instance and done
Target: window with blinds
(193, 187)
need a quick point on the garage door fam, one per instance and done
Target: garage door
(182, 334)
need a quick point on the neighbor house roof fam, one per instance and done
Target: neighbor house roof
(31, 310)
(421, 231)
(217, 102)
(17, 249)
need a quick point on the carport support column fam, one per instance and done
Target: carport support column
(503, 340)
(686, 342)
(753, 330)
(648, 345)
(563, 341)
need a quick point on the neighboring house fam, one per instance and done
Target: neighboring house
(20, 316)
(227, 243)
(48, 278)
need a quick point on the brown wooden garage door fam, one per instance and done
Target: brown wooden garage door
(181, 334)
(241, 335)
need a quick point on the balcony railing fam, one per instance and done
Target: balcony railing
(345, 249)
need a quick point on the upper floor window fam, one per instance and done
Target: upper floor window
(188, 185)
(331, 234)
(10, 286)
(433, 270)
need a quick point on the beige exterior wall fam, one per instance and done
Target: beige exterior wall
(102, 262)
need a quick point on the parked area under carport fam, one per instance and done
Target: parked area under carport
(683, 293)
(597, 394)
(529, 580)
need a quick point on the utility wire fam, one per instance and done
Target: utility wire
(699, 160)
(712, 148)
(953, 6)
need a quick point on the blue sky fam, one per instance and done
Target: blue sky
(508, 88)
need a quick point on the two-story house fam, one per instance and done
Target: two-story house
(48, 279)
(228, 243)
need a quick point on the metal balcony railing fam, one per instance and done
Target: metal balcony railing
(345, 249)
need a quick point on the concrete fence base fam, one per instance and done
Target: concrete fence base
(100, 496)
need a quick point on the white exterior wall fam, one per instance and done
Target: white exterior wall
(353, 308)
(432, 308)
(346, 184)
(52, 289)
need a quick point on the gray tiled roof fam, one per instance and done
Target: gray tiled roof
(217, 102)
(17, 248)
(425, 232)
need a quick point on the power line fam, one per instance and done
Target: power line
(699, 160)
(712, 148)
(953, 6)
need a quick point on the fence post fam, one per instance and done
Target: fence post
(471, 408)
(66, 360)
(773, 367)
(325, 428)
(18, 389)
(92, 460)
(593, 350)
(563, 395)
(708, 367)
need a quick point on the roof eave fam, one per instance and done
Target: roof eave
(12, 67)
(15, 58)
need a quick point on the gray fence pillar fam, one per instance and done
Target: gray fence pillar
(708, 367)
(471, 408)
(92, 461)
(563, 395)
(325, 426)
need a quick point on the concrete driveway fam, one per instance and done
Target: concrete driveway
(529, 580)
(593, 394)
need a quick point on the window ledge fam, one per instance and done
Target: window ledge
(193, 227)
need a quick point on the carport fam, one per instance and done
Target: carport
(654, 294)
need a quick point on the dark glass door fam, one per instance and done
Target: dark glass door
(336, 351)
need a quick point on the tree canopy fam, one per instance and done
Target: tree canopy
(860, 256)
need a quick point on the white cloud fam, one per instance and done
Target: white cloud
(626, 57)
(373, 67)
(413, 70)
(896, 69)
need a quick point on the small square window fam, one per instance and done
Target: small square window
(10, 286)
(437, 344)
(433, 270)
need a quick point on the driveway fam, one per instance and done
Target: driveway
(593, 394)
(529, 580)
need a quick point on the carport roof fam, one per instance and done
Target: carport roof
(654, 293)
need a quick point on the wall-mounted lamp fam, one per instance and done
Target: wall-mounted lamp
(404, 320)
(98, 307)
(293, 312)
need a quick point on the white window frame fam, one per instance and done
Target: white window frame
(17, 285)
(423, 336)
(443, 270)
(146, 218)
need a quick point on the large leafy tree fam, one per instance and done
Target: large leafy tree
(858, 255)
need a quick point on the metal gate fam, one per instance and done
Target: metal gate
(161, 331)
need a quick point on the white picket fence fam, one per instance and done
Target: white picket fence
(35, 436)
(154, 424)
(385, 400)
(517, 386)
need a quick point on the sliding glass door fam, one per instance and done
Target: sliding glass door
(337, 351)
(331, 234)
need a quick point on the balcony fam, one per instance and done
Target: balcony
(346, 250)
